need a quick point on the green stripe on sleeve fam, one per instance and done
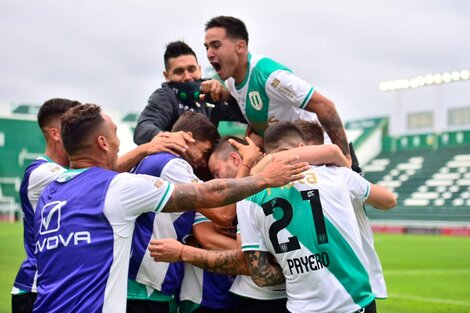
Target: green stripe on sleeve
(250, 247)
(307, 98)
(201, 220)
(366, 195)
(164, 199)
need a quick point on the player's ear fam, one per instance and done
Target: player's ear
(102, 142)
(54, 133)
(240, 46)
(235, 158)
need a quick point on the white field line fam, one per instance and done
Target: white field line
(429, 299)
(427, 272)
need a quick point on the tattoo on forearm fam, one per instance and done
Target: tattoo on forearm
(229, 262)
(334, 128)
(217, 192)
(263, 269)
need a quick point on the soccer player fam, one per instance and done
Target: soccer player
(182, 72)
(313, 135)
(163, 279)
(85, 219)
(306, 233)
(37, 175)
(227, 162)
(265, 90)
(46, 168)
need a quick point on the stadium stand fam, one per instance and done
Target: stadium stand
(20, 142)
(429, 174)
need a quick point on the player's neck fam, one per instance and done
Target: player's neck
(86, 161)
(56, 155)
(242, 69)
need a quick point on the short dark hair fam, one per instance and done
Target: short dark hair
(78, 124)
(224, 148)
(199, 125)
(53, 109)
(281, 133)
(175, 49)
(312, 131)
(234, 28)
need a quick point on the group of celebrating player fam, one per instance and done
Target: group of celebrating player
(281, 228)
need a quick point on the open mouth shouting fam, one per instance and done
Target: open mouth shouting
(217, 67)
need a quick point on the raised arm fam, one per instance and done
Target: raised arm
(175, 143)
(330, 120)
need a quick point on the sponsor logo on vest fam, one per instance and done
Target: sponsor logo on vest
(53, 242)
(50, 223)
(50, 217)
(255, 100)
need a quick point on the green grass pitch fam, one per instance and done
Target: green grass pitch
(424, 273)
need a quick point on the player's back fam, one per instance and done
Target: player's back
(310, 227)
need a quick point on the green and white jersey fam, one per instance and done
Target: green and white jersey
(311, 229)
(270, 92)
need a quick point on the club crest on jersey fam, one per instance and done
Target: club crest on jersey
(255, 100)
(50, 217)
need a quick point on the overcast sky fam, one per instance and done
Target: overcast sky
(111, 52)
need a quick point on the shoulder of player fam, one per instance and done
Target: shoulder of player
(266, 66)
(163, 94)
(178, 167)
(47, 170)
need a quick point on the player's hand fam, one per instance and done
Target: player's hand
(165, 250)
(257, 139)
(217, 91)
(174, 143)
(278, 172)
(250, 153)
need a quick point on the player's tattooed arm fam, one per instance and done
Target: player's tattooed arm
(330, 121)
(263, 268)
(220, 192)
(217, 192)
(224, 262)
(333, 126)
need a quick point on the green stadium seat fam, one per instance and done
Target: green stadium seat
(431, 184)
